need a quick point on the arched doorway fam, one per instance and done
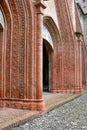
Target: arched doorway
(47, 51)
(50, 35)
(47, 59)
(45, 68)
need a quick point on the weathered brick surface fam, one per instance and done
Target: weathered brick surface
(21, 60)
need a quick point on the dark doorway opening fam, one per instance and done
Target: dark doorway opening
(45, 67)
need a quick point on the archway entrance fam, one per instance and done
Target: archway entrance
(46, 65)
(45, 68)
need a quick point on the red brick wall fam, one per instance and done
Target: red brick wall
(22, 60)
(70, 81)
(84, 51)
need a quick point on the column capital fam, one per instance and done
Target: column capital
(40, 7)
(79, 37)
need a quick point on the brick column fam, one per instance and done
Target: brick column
(79, 73)
(39, 43)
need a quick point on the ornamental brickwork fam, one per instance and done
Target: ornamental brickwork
(21, 57)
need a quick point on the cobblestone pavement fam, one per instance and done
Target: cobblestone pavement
(70, 116)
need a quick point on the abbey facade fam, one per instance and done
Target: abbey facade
(42, 48)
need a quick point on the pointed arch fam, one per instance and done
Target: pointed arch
(49, 23)
(55, 55)
(7, 17)
(30, 45)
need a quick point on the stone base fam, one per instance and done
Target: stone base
(34, 104)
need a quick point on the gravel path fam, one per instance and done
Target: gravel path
(70, 116)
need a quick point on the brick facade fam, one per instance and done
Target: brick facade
(82, 7)
(21, 61)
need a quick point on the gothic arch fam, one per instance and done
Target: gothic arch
(19, 52)
(1, 51)
(30, 47)
(49, 23)
(18, 16)
(4, 7)
(47, 36)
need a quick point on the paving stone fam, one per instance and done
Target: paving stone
(70, 116)
(16, 128)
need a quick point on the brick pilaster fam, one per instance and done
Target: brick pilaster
(78, 88)
(39, 90)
